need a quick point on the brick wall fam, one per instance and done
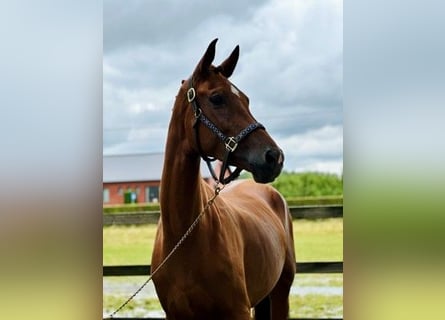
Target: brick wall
(116, 190)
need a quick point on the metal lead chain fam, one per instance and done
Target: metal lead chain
(210, 202)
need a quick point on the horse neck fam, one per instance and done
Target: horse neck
(181, 181)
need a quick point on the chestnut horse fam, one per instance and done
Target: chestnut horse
(241, 254)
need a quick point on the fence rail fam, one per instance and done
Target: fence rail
(152, 217)
(302, 267)
(125, 318)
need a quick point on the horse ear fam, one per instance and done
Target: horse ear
(229, 64)
(207, 59)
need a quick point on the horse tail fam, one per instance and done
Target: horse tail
(263, 310)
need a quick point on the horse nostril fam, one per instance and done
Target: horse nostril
(281, 157)
(273, 156)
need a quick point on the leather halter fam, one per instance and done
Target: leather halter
(230, 143)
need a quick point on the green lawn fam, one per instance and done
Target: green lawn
(320, 240)
(128, 245)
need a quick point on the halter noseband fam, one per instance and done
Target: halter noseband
(230, 143)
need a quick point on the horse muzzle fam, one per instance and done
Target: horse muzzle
(268, 165)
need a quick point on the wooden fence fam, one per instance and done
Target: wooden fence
(152, 217)
(303, 212)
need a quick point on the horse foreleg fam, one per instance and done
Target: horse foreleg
(263, 309)
(279, 296)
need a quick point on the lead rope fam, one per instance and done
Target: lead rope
(186, 234)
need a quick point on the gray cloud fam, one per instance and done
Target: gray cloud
(165, 23)
(290, 67)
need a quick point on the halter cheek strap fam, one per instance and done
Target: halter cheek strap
(230, 143)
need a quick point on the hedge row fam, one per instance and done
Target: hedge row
(294, 201)
(130, 207)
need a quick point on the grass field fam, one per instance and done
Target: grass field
(320, 240)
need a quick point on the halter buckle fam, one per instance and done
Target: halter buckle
(191, 94)
(231, 144)
(197, 113)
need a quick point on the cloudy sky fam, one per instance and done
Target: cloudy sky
(290, 66)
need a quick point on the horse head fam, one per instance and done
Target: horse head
(220, 125)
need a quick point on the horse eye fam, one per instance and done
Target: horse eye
(216, 99)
